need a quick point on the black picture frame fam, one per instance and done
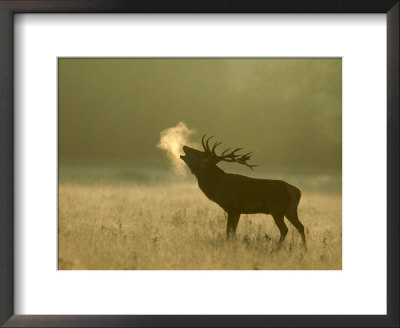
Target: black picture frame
(10, 7)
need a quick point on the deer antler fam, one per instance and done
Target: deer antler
(230, 157)
(205, 144)
(237, 158)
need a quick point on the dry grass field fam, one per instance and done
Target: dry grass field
(163, 226)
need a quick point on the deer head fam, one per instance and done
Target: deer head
(200, 160)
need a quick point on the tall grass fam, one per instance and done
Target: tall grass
(174, 226)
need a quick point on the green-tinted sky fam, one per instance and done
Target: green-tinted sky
(289, 111)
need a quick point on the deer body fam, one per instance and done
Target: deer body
(244, 195)
(238, 194)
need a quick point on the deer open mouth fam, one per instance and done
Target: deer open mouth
(183, 156)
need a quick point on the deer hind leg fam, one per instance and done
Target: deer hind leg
(279, 221)
(292, 216)
(294, 219)
(233, 220)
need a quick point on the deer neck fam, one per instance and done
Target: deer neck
(210, 180)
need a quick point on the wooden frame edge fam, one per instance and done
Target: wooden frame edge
(9, 8)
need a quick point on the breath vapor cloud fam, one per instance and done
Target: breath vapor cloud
(171, 141)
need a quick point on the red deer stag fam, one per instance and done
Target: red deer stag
(238, 194)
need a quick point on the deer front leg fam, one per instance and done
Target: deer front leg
(233, 220)
(279, 220)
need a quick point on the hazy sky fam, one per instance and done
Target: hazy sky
(289, 111)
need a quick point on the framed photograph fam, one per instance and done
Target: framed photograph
(138, 175)
(191, 164)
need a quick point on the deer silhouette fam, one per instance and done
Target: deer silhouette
(238, 194)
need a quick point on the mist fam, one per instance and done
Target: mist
(288, 111)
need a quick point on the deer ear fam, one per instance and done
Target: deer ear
(207, 160)
(210, 160)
